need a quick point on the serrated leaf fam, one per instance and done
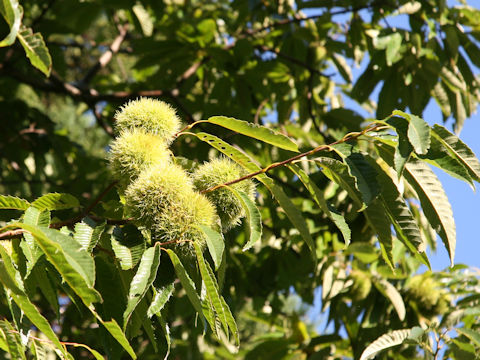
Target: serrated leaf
(404, 149)
(41, 279)
(143, 279)
(418, 132)
(11, 279)
(365, 175)
(338, 172)
(292, 212)
(380, 223)
(74, 264)
(391, 293)
(319, 197)
(166, 331)
(160, 298)
(255, 131)
(128, 244)
(12, 13)
(13, 202)
(116, 331)
(13, 341)
(88, 233)
(35, 49)
(385, 341)
(434, 201)
(215, 244)
(253, 216)
(56, 201)
(211, 288)
(459, 150)
(32, 252)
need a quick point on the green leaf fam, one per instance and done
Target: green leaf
(35, 49)
(391, 293)
(254, 218)
(458, 150)
(13, 202)
(472, 335)
(215, 244)
(319, 197)
(160, 298)
(292, 212)
(385, 341)
(220, 307)
(11, 279)
(88, 233)
(166, 331)
(434, 201)
(364, 251)
(143, 279)
(339, 173)
(56, 201)
(116, 331)
(144, 18)
(14, 343)
(418, 132)
(13, 13)
(128, 244)
(95, 353)
(380, 223)
(41, 279)
(365, 175)
(404, 149)
(254, 131)
(32, 252)
(74, 264)
(187, 284)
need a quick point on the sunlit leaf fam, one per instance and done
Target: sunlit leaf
(13, 202)
(35, 49)
(385, 341)
(215, 244)
(128, 245)
(56, 201)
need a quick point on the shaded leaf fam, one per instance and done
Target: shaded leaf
(143, 279)
(88, 232)
(160, 298)
(472, 335)
(32, 252)
(13, 341)
(380, 223)
(128, 244)
(418, 132)
(391, 293)
(215, 244)
(254, 218)
(319, 197)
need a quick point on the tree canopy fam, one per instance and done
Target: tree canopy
(299, 179)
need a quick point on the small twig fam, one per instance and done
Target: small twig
(98, 116)
(108, 55)
(348, 137)
(256, 119)
(87, 209)
(11, 234)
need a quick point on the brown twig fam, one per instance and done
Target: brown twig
(348, 137)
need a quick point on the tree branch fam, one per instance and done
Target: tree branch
(348, 137)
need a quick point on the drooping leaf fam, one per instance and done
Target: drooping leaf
(319, 198)
(11, 280)
(338, 172)
(74, 264)
(187, 284)
(211, 288)
(143, 279)
(392, 294)
(404, 149)
(144, 18)
(13, 341)
(35, 49)
(166, 331)
(40, 277)
(434, 201)
(95, 353)
(254, 131)
(12, 13)
(160, 298)
(459, 150)
(128, 244)
(13, 202)
(418, 132)
(32, 252)
(56, 201)
(380, 223)
(365, 175)
(254, 218)
(88, 232)
(385, 341)
(292, 212)
(215, 244)
(116, 331)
